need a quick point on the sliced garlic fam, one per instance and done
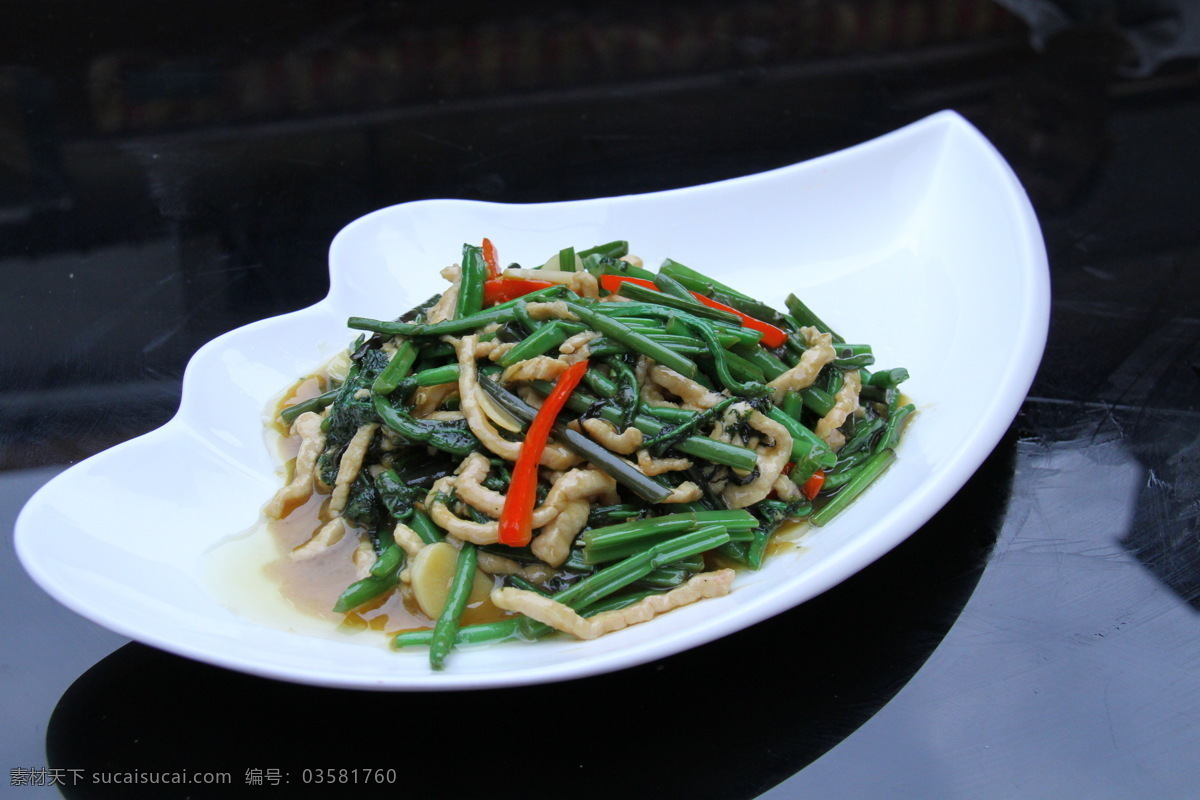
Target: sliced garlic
(339, 366)
(432, 571)
(553, 263)
(494, 412)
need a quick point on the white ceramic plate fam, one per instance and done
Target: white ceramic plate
(921, 242)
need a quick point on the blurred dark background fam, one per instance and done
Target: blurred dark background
(190, 165)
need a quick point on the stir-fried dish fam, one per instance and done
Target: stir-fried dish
(571, 449)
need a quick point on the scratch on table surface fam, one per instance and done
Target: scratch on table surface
(195, 309)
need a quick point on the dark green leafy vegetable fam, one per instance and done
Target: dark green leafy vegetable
(399, 498)
(363, 505)
(633, 541)
(452, 437)
(348, 411)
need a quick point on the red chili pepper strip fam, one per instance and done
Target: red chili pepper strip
(491, 259)
(516, 518)
(772, 337)
(612, 283)
(498, 290)
(813, 484)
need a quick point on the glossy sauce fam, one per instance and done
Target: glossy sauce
(312, 585)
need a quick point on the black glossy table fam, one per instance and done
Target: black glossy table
(167, 177)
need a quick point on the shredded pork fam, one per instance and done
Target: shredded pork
(819, 353)
(350, 465)
(407, 539)
(570, 495)
(554, 310)
(496, 351)
(326, 537)
(469, 488)
(564, 618)
(554, 455)
(538, 368)
(657, 466)
(297, 491)
(577, 345)
(467, 507)
(650, 392)
(443, 309)
(772, 458)
(693, 395)
(686, 492)
(785, 489)
(569, 487)
(606, 434)
(844, 404)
